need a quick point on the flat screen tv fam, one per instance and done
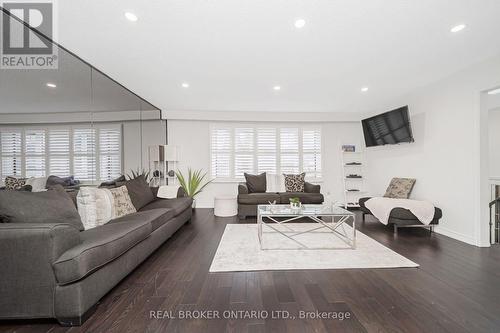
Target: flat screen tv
(388, 128)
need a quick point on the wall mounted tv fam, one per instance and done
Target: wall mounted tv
(388, 128)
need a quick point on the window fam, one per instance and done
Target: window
(236, 149)
(88, 153)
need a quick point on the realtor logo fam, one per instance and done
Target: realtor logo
(27, 31)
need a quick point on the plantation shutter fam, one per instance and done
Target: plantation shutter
(221, 152)
(11, 152)
(35, 152)
(311, 153)
(289, 147)
(109, 153)
(243, 151)
(266, 150)
(59, 152)
(84, 164)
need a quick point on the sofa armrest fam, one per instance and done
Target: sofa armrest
(181, 193)
(27, 252)
(242, 188)
(311, 188)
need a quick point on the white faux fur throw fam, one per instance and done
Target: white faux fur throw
(168, 191)
(381, 208)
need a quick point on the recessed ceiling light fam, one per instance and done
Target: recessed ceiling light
(364, 89)
(185, 85)
(131, 16)
(277, 88)
(494, 91)
(51, 85)
(458, 28)
(300, 23)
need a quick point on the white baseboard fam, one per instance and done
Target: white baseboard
(455, 235)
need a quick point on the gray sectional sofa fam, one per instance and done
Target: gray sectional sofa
(248, 201)
(52, 268)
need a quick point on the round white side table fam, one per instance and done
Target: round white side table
(225, 205)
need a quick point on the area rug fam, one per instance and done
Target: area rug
(239, 250)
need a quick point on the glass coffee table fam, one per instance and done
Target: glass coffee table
(328, 220)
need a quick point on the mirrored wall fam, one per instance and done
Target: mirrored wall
(72, 121)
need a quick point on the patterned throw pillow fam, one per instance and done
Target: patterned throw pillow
(295, 183)
(13, 183)
(95, 206)
(400, 188)
(121, 202)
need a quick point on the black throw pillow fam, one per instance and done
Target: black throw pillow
(139, 191)
(256, 183)
(52, 206)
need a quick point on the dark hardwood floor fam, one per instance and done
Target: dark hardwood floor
(456, 289)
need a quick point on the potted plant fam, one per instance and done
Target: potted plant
(295, 203)
(194, 183)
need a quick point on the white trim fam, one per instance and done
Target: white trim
(456, 235)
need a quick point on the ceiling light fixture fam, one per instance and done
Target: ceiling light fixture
(51, 85)
(300, 23)
(277, 88)
(131, 17)
(494, 91)
(458, 28)
(364, 89)
(185, 85)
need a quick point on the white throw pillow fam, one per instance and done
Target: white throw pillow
(275, 183)
(38, 184)
(95, 206)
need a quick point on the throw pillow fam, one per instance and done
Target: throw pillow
(122, 202)
(37, 183)
(117, 182)
(95, 206)
(139, 191)
(54, 206)
(66, 182)
(400, 188)
(13, 183)
(295, 183)
(256, 183)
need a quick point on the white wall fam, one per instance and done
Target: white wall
(445, 158)
(494, 143)
(192, 137)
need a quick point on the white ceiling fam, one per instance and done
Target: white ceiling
(232, 52)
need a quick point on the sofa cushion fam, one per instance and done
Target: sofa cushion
(258, 198)
(140, 192)
(103, 244)
(164, 216)
(178, 205)
(54, 206)
(256, 183)
(305, 198)
(311, 188)
(405, 214)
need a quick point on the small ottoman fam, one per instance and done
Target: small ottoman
(403, 218)
(225, 205)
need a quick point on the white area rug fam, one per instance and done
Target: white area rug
(239, 250)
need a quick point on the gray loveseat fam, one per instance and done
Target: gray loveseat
(247, 202)
(55, 269)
